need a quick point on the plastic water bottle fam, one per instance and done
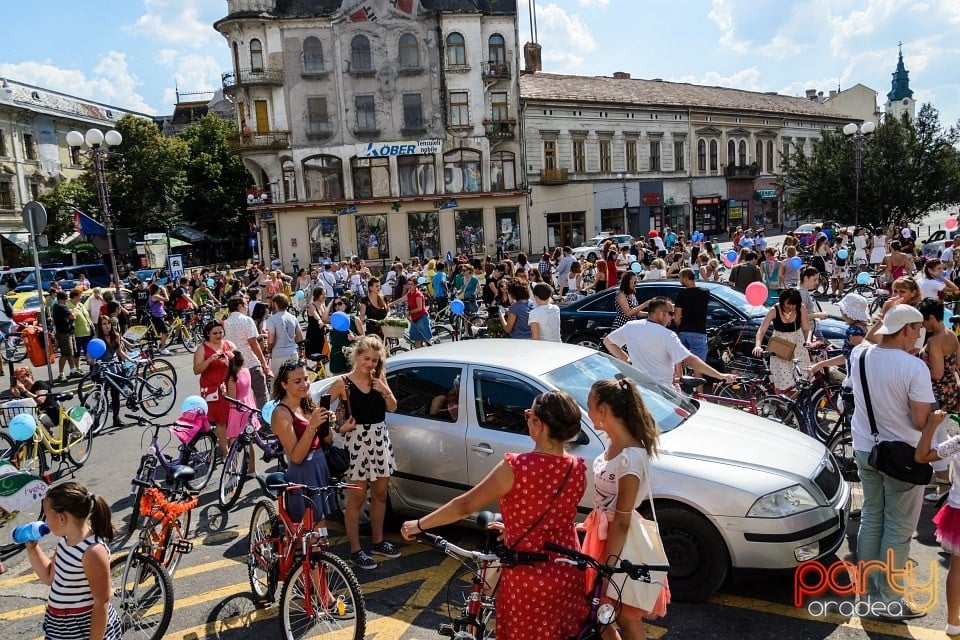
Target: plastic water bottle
(30, 532)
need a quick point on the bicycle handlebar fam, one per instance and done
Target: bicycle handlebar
(637, 571)
(241, 405)
(451, 549)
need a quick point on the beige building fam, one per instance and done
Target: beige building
(859, 102)
(34, 155)
(377, 129)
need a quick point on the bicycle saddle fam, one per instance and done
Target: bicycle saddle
(319, 357)
(64, 396)
(275, 483)
(182, 473)
(484, 518)
(689, 383)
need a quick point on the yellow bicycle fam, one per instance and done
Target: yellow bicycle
(180, 330)
(72, 437)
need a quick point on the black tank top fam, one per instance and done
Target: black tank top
(366, 408)
(780, 325)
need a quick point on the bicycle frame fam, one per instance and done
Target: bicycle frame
(163, 518)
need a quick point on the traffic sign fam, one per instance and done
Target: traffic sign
(176, 266)
(34, 217)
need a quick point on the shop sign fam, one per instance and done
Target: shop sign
(650, 198)
(404, 148)
(706, 201)
(765, 194)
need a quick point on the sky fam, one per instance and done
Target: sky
(134, 53)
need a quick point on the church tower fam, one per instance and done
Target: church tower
(900, 99)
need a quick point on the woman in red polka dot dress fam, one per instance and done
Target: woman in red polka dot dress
(538, 492)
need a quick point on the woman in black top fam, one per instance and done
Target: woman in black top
(367, 398)
(373, 308)
(314, 338)
(791, 323)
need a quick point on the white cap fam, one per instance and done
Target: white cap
(898, 317)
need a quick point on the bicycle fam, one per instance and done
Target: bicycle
(320, 590)
(144, 595)
(726, 395)
(155, 392)
(179, 331)
(197, 450)
(601, 615)
(71, 437)
(234, 472)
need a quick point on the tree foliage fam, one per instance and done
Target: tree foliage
(908, 168)
(80, 193)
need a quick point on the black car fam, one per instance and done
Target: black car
(587, 321)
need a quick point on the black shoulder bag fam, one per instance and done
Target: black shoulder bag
(894, 458)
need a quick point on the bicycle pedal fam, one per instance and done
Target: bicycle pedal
(446, 630)
(183, 546)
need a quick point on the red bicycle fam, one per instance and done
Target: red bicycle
(320, 594)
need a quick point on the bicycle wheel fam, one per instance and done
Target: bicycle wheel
(826, 408)
(78, 445)
(142, 596)
(171, 550)
(30, 457)
(442, 333)
(262, 550)
(15, 349)
(841, 446)
(157, 394)
(7, 446)
(135, 516)
(336, 603)
(201, 457)
(95, 402)
(738, 391)
(188, 339)
(159, 365)
(776, 408)
(232, 476)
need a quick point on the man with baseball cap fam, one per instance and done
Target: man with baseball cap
(901, 396)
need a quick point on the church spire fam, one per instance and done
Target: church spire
(900, 85)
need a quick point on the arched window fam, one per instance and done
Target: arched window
(323, 178)
(456, 50)
(769, 156)
(759, 157)
(503, 174)
(714, 155)
(496, 50)
(256, 55)
(360, 54)
(743, 153)
(409, 51)
(731, 152)
(461, 171)
(701, 155)
(312, 54)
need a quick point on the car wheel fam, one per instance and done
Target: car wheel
(590, 340)
(697, 553)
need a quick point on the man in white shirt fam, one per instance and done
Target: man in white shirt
(544, 318)
(241, 330)
(946, 257)
(563, 269)
(328, 280)
(901, 396)
(656, 350)
(283, 332)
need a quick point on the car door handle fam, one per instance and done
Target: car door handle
(485, 449)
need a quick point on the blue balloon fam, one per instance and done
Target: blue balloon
(299, 295)
(422, 280)
(193, 402)
(796, 262)
(96, 348)
(456, 307)
(267, 410)
(731, 255)
(842, 254)
(340, 321)
(22, 427)
(636, 267)
(211, 283)
(863, 278)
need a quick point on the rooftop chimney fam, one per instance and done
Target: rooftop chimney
(833, 93)
(811, 94)
(531, 58)
(621, 75)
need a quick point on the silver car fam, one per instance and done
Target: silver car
(732, 491)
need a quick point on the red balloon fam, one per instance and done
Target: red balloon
(726, 262)
(756, 293)
(951, 223)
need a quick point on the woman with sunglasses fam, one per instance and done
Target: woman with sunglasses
(367, 397)
(340, 339)
(538, 492)
(211, 362)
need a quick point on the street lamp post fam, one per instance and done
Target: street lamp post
(94, 139)
(623, 178)
(858, 135)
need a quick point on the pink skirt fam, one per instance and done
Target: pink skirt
(947, 521)
(594, 545)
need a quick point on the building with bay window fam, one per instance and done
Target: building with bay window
(377, 128)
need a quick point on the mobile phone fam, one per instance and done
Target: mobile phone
(325, 401)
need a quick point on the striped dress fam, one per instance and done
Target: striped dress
(70, 604)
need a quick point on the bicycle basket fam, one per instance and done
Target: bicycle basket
(14, 408)
(747, 367)
(136, 333)
(189, 425)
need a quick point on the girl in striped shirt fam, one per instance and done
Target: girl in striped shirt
(78, 607)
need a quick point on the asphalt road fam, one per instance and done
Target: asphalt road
(406, 598)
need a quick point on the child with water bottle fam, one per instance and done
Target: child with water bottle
(78, 607)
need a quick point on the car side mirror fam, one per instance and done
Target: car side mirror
(721, 314)
(582, 439)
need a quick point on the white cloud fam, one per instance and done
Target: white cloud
(747, 79)
(589, 4)
(781, 47)
(194, 73)
(565, 37)
(721, 14)
(111, 81)
(952, 9)
(176, 21)
(856, 24)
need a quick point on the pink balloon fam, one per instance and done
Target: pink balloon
(756, 293)
(951, 223)
(726, 262)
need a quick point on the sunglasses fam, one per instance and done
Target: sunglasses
(290, 365)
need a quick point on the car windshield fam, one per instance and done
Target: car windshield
(45, 274)
(33, 302)
(739, 301)
(668, 407)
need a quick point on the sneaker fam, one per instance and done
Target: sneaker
(61, 378)
(76, 373)
(385, 549)
(362, 561)
(165, 352)
(899, 613)
(953, 629)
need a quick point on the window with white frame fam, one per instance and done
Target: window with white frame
(701, 155)
(678, 160)
(549, 154)
(417, 175)
(630, 147)
(461, 171)
(605, 161)
(29, 147)
(655, 155)
(256, 55)
(714, 155)
(579, 155)
(503, 173)
(459, 109)
(456, 53)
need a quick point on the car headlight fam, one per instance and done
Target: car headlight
(782, 503)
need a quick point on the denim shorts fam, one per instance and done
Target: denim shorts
(420, 329)
(696, 343)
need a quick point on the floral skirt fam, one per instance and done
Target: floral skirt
(781, 371)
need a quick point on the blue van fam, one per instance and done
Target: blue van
(97, 274)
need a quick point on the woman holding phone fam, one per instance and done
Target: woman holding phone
(211, 362)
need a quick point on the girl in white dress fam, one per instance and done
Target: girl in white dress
(860, 247)
(879, 251)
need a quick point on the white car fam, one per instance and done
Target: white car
(733, 491)
(590, 252)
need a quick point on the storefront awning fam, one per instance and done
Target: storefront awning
(190, 234)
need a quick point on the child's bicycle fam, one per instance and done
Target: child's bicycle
(320, 594)
(70, 439)
(601, 615)
(143, 594)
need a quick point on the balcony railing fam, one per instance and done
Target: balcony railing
(500, 129)
(248, 77)
(742, 171)
(554, 176)
(264, 140)
(496, 69)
